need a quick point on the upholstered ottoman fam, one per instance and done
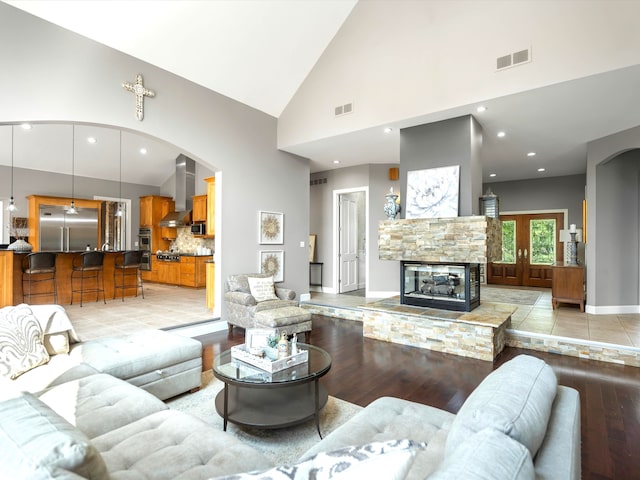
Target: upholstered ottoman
(163, 363)
(286, 319)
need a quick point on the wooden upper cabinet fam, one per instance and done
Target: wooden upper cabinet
(211, 206)
(167, 205)
(146, 211)
(199, 213)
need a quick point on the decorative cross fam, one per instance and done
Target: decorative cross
(140, 92)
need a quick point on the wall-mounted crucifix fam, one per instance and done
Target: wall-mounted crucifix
(140, 92)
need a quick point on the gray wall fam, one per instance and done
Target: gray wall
(616, 261)
(383, 275)
(50, 74)
(457, 141)
(542, 194)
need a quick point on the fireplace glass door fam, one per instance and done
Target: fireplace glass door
(448, 286)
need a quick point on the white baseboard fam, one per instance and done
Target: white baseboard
(612, 309)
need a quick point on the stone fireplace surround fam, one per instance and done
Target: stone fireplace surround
(474, 239)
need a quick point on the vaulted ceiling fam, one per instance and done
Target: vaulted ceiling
(259, 52)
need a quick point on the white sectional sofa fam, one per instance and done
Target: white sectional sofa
(87, 423)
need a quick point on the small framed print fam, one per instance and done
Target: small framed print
(272, 263)
(271, 227)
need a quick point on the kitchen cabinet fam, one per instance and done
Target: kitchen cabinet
(211, 206)
(168, 272)
(167, 205)
(568, 285)
(199, 212)
(192, 271)
(211, 278)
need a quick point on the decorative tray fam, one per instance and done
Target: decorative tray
(240, 352)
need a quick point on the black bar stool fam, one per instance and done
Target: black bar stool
(126, 266)
(37, 268)
(87, 266)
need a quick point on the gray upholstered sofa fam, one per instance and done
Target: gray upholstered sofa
(280, 312)
(518, 423)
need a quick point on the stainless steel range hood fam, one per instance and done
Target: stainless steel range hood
(185, 190)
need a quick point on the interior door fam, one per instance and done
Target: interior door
(348, 244)
(530, 246)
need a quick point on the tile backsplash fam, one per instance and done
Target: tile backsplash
(185, 242)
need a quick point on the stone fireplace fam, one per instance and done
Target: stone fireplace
(441, 258)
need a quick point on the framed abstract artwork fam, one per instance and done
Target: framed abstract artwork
(272, 263)
(271, 227)
(433, 192)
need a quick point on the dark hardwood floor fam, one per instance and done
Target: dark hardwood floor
(364, 369)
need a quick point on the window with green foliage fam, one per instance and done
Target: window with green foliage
(542, 240)
(509, 241)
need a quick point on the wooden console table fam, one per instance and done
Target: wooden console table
(568, 285)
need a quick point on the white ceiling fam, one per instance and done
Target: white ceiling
(269, 48)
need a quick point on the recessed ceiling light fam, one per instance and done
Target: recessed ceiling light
(541, 169)
(388, 130)
(481, 109)
(501, 134)
(143, 151)
(26, 126)
(493, 174)
(92, 140)
(531, 154)
(336, 161)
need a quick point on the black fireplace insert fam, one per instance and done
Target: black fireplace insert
(448, 286)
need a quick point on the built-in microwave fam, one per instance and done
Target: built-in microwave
(199, 229)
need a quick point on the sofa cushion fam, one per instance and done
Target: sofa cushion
(171, 445)
(388, 418)
(389, 460)
(262, 289)
(487, 455)
(21, 341)
(35, 442)
(129, 356)
(100, 403)
(59, 369)
(515, 399)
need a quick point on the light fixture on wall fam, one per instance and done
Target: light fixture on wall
(119, 212)
(12, 204)
(72, 210)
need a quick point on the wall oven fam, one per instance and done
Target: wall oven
(144, 244)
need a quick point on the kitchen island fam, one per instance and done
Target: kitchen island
(11, 279)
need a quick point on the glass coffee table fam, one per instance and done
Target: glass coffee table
(256, 398)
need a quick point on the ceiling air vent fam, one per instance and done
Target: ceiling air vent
(318, 181)
(513, 59)
(343, 109)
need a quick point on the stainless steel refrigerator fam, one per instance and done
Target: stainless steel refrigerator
(62, 232)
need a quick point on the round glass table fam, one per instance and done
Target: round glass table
(256, 398)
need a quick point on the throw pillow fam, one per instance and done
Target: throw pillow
(262, 289)
(21, 342)
(390, 460)
(486, 455)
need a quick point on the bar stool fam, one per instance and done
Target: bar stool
(37, 268)
(128, 265)
(87, 266)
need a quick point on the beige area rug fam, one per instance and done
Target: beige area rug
(508, 295)
(284, 445)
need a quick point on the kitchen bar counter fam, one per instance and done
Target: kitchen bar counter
(11, 279)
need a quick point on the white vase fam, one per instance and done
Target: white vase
(20, 246)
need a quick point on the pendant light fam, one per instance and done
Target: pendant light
(119, 212)
(12, 204)
(72, 210)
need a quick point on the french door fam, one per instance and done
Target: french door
(530, 246)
